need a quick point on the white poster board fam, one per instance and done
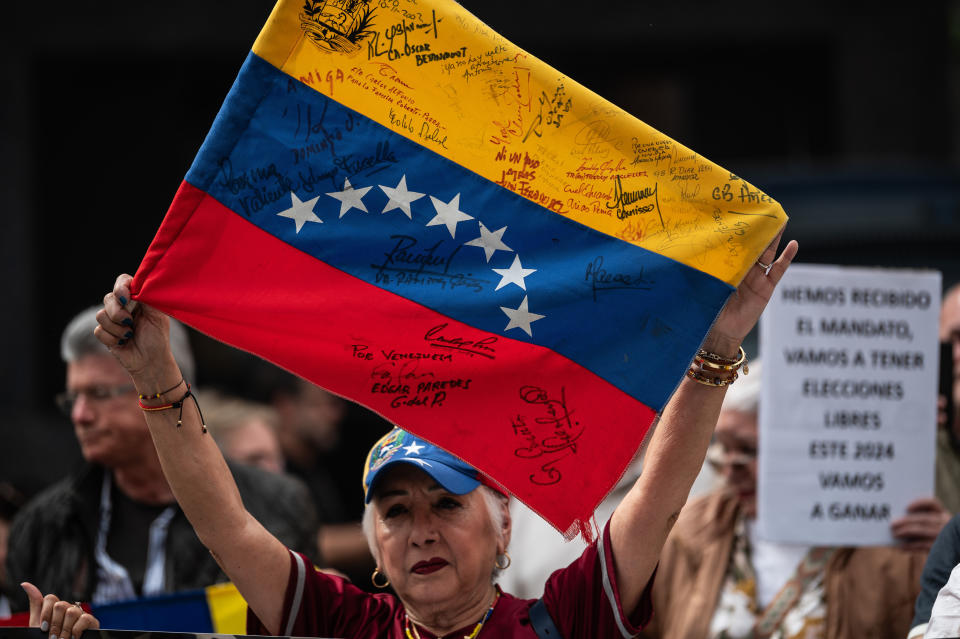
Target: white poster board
(848, 403)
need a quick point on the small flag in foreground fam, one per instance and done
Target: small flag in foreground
(403, 207)
(216, 609)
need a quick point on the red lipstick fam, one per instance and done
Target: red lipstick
(431, 565)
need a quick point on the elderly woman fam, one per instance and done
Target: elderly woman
(438, 533)
(718, 579)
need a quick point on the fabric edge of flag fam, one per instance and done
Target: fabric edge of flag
(221, 136)
(184, 203)
(282, 21)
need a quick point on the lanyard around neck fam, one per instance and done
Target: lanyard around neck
(113, 579)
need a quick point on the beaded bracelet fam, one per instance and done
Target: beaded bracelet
(177, 404)
(711, 381)
(162, 393)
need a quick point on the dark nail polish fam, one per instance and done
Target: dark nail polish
(127, 322)
(123, 300)
(121, 342)
(128, 335)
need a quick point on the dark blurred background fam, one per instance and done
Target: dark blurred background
(848, 113)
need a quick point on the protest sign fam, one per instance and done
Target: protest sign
(848, 405)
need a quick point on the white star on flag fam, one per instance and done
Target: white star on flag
(490, 242)
(413, 449)
(520, 317)
(400, 197)
(301, 212)
(350, 198)
(448, 213)
(514, 274)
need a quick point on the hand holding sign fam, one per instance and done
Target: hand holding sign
(924, 520)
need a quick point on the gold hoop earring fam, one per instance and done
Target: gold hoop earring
(373, 578)
(506, 564)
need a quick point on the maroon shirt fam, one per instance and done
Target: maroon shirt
(582, 600)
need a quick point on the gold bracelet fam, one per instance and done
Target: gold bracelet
(711, 369)
(712, 360)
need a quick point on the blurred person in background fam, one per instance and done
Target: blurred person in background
(945, 553)
(113, 531)
(321, 436)
(245, 431)
(948, 435)
(940, 588)
(718, 579)
(308, 428)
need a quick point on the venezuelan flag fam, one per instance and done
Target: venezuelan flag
(403, 207)
(219, 609)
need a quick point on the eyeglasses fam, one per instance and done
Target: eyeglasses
(66, 400)
(719, 457)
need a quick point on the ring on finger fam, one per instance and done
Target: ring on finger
(78, 605)
(765, 267)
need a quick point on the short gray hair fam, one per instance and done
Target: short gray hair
(744, 396)
(493, 500)
(79, 341)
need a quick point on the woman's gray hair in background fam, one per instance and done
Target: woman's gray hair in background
(78, 340)
(744, 395)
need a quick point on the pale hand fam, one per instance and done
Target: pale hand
(139, 336)
(743, 309)
(60, 618)
(924, 520)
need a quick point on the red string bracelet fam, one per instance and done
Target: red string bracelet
(177, 404)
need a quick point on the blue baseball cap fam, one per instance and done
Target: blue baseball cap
(400, 447)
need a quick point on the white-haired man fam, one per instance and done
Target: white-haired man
(113, 531)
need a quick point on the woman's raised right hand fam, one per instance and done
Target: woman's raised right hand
(139, 336)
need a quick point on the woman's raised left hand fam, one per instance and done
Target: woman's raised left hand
(744, 307)
(62, 619)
